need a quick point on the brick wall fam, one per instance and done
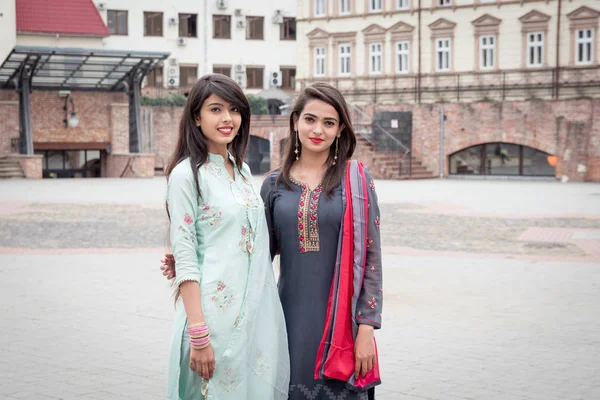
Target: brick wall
(129, 166)
(9, 122)
(165, 130)
(564, 128)
(97, 118)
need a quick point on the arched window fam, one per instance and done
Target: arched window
(501, 159)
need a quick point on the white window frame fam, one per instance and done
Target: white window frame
(376, 58)
(585, 44)
(535, 44)
(444, 3)
(375, 5)
(345, 59)
(443, 46)
(485, 48)
(403, 57)
(345, 7)
(320, 8)
(402, 4)
(320, 61)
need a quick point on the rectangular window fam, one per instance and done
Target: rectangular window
(288, 29)
(444, 3)
(344, 6)
(375, 5)
(402, 57)
(223, 70)
(345, 54)
(585, 45)
(116, 22)
(255, 28)
(535, 49)
(402, 4)
(320, 61)
(319, 8)
(289, 78)
(442, 51)
(188, 25)
(153, 24)
(155, 77)
(487, 52)
(254, 78)
(188, 76)
(375, 58)
(221, 26)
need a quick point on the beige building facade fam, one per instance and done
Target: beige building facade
(385, 51)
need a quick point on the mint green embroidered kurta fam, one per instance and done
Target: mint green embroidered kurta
(220, 240)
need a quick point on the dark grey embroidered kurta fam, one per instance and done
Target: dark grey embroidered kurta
(305, 229)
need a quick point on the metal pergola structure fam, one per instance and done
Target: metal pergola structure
(46, 68)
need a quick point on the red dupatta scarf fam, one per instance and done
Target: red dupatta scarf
(335, 357)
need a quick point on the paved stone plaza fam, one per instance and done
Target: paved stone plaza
(492, 290)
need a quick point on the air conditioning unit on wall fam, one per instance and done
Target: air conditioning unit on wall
(173, 73)
(241, 23)
(181, 41)
(173, 21)
(101, 6)
(276, 78)
(173, 81)
(278, 17)
(222, 4)
(239, 75)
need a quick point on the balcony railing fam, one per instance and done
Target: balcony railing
(465, 86)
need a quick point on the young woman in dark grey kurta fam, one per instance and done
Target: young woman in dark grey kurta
(305, 227)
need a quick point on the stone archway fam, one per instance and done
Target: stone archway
(502, 159)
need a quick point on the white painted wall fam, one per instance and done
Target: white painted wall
(509, 50)
(270, 52)
(8, 28)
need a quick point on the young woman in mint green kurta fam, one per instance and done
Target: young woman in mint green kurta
(220, 239)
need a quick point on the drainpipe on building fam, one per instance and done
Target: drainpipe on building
(206, 24)
(557, 69)
(419, 56)
(442, 118)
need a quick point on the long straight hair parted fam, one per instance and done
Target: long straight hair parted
(192, 142)
(347, 141)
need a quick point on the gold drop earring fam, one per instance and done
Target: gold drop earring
(337, 150)
(296, 151)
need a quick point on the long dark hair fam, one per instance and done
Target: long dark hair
(347, 141)
(191, 141)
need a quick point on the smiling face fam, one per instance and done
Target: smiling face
(318, 125)
(219, 122)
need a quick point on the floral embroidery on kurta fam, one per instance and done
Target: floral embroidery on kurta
(261, 364)
(372, 185)
(372, 303)
(247, 241)
(230, 382)
(308, 219)
(223, 297)
(211, 215)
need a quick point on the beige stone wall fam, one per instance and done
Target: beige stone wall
(457, 22)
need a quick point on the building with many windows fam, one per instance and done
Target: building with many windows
(462, 86)
(249, 41)
(72, 75)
